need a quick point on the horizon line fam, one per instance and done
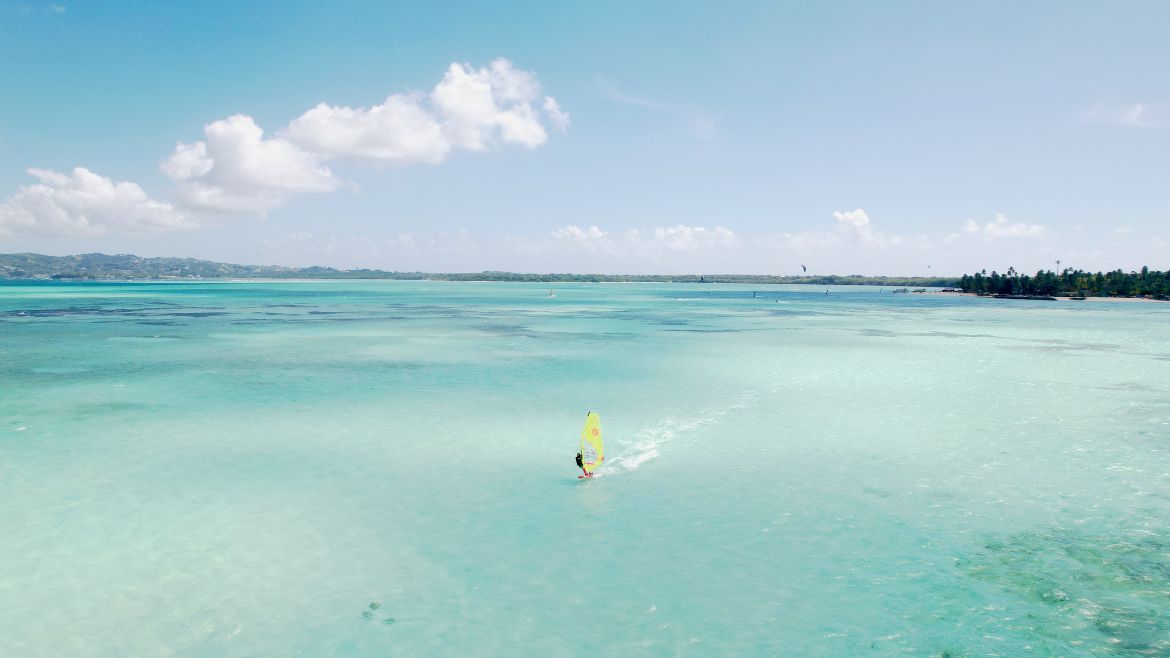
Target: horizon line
(486, 271)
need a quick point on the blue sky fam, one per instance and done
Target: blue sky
(853, 137)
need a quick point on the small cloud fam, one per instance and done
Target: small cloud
(1000, 227)
(1123, 230)
(84, 203)
(856, 224)
(656, 245)
(802, 242)
(57, 9)
(854, 229)
(853, 221)
(559, 117)
(590, 238)
(1136, 115)
(690, 238)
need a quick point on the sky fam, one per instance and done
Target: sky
(893, 138)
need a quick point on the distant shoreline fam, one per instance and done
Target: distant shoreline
(594, 279)
(126, 268)
(99, 267)
(740, 280)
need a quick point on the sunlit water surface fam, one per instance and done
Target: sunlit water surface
(386, 468)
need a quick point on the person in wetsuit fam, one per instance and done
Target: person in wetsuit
(580, 464)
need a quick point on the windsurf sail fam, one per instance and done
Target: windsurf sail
(592, 450)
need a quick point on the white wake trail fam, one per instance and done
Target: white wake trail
(646, 441)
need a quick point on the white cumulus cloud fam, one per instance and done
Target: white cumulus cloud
(84, 203)
(481, 106)
(1000, 227)
(689, 238)
(589, 238)
(237, 169)
(856, 224)
(854, 221)
(801, 242)
(659, 244)
(400, 130)
(853, 245)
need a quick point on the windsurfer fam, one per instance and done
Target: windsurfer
(592, 450)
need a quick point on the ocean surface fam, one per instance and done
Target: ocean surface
(370, 468)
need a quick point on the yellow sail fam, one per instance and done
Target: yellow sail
(592, 450)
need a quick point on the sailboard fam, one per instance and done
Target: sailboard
(592, 449)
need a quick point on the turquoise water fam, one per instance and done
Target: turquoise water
(386, 468)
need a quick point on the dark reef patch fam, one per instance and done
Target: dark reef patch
(195, 314)
(885, 333)
(1112, 592)
(72, 310)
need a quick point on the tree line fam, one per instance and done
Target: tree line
(1070, 282)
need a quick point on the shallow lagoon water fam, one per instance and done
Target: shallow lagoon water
(368, 468)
